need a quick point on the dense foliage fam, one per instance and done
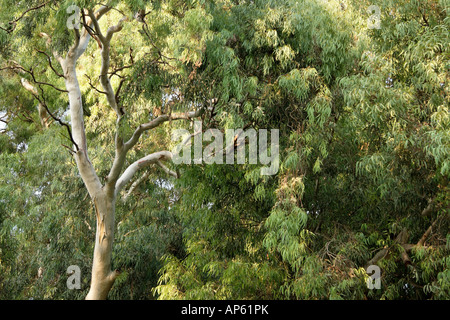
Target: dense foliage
(363, 116)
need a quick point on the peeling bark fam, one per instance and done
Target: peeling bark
(102, 276)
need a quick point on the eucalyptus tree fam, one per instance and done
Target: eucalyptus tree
(62, 39)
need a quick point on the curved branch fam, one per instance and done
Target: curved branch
(106, 41)
(426, 234)
(158, 121)
(50, 63)
(31, 73)
(93, 87)
(49, 41)
(96, 25)
(113, 29)
(141, 163)
(13, 23)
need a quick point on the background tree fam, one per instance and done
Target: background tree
(358, 184)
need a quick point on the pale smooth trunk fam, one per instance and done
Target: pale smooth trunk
(104, 199)
(102, 276)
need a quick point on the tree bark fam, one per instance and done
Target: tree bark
(102, 276)
(104, 199)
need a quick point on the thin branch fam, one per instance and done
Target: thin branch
(88, 31)
(59, 121)
(105, 40)
(167, 170)
(426, 234)
(43, 104)
(86, 25)
(135, 185)
(97, 28)
(68, 148)
(26, 118)
(13, 23)
(93, 87)
(31, 9)
(50, 63)
(48, 44)
(114, 73)
(41, 109)
(118, 91)
(111, 8)
(158, 121)
(31, 73)
(147, 33)
(137, 229)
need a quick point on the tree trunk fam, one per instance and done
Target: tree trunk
(102, 276)
(102, 196)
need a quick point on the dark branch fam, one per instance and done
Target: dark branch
(13, 23)
(68, 148)
(93, 87)
(43, 103)
(91, 31)
(112, 73)
(118, 90)
(50, 63)
(97, 29)
(31, 73)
